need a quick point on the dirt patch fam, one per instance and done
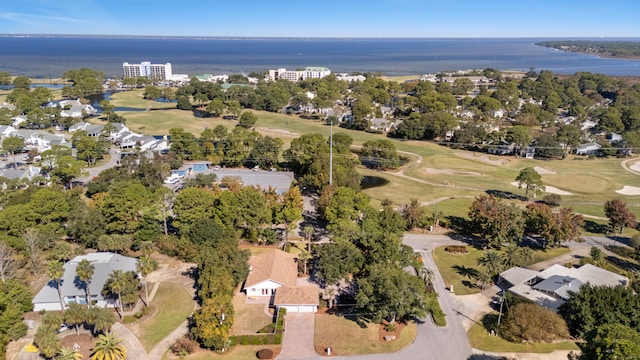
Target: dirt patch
(277, 131)
(452, 172)
(84, 341)
(629, 190)
(543, 171)
(482, 157)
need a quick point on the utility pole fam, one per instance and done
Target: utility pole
(331, 153)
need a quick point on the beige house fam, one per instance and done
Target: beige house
(274, 275)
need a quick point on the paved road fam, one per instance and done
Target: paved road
(94, 171)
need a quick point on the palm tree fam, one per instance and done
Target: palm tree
(115, 284)
(492, 261)
(527, 255)
(108, 347)
(101, 319)
(56, 271)
(68, 354)
(427, 275)
(84, 270)
(303, 257)
(308, 232)
(145, 266)
(75, 315)
(512, 256)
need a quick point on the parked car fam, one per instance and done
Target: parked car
(63, 327)
(216, 168)
(256, 168)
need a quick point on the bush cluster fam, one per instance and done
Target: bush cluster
(456, 249)
(183, 346)
(266, 339)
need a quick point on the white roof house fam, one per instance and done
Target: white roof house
(588, 149)
(550, 288)
(73, 290)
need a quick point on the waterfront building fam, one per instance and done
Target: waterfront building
(310, 72)
(146, 68)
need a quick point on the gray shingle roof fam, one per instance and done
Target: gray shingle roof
(104, 264)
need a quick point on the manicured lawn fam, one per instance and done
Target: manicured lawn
(173, 306)
(238, 352)
(134, 99)
(481, 340)
(542, 255)
(248, 318)
(455, 267)
(345, 337)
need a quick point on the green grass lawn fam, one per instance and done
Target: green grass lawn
(453, 268)
(346, 337)
(248, 318)
(173, 306)
(481, 340)
(134, 99)
(542, 255)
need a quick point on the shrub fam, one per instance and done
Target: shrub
(267, 329)
(277, 339)
(244, 340)
(532, 322)
(129, 319)
(456, 249)
(552, 199)
(183, 346)
(264, 354)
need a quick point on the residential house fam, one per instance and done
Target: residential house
(613, 137)
(550, 288)
(6, 131)
(27, 173)
(273, 275)
(17, 120)
(75, 109)
(588, 149)
(73, 289)
(380, 124)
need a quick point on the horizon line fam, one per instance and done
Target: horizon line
(229, 37)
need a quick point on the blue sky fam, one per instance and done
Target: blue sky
(328, 18)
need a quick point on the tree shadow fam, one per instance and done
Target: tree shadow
(369, 182)
(622, 263)
(594, 227)
(458, 224)
(506, 195)
(467, 272)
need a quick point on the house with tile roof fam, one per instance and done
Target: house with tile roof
(73, 289)
(274, 275)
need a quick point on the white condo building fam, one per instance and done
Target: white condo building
(146, 68)
(310, 72)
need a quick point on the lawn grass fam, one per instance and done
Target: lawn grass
(346, 337)
(550, 253)
(248, 318)
(173, 306)
(481, 340)
(134, 99)
(238, 352)
(452, 266)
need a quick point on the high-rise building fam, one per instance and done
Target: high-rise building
(146, 68)
(310, 72)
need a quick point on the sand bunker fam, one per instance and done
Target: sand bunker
(550, 189)
(543, 171)
(635, 167)
(452, 172)
(483, 158)
(629, 190)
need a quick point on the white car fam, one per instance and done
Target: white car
(256, 168)
(216, 168)
(63, 327)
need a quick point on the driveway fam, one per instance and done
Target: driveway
(297, 342)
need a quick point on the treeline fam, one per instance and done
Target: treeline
(623, 49)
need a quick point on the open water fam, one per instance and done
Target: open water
(50, 57)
